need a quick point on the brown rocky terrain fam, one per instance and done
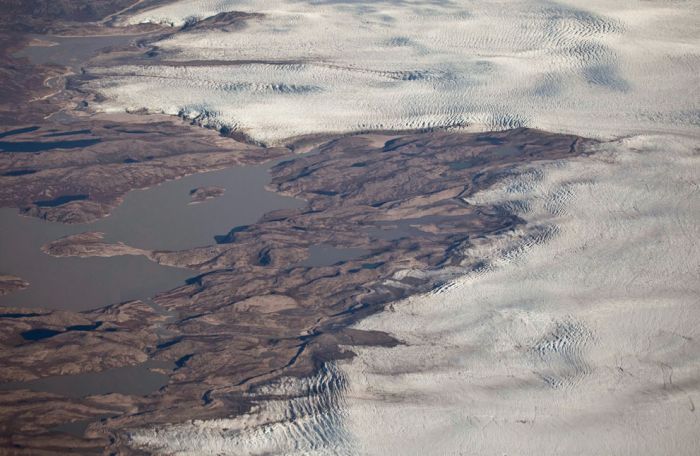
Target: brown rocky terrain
(89, 244)
(386, 215)
(258, 310)
(59, 161)
(28, 93)
(123, 159)
(10, 283)
(201, 194)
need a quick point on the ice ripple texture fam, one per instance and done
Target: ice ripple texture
(584, 341)
(579, 335)
(311, 422)
(595, 68)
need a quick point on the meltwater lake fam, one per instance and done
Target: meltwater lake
(158, 218)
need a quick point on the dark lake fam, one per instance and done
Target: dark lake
(42, 146)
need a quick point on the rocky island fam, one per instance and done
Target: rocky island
(201, 194)
(89, 244)
(9, 283)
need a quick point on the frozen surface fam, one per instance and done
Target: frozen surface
(595, 68)
(578, 337)
(581, 340)
(581, 335)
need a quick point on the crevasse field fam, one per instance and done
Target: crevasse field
(596, 68)
(581, 336)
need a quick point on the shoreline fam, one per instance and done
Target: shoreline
(268, 251)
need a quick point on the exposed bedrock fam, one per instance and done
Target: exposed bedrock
(89, 244)
(10, 283)
(385, 217)
(59, 161)
(84, 184)
(201, 194)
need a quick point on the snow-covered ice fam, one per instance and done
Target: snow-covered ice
(581, 337)
(580, 340)
(594, 68)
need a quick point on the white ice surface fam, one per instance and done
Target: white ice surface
(586, 342)
(583, 340)
(595, 68)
